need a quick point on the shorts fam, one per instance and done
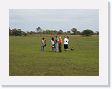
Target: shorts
(65, 46)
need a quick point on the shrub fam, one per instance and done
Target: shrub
(87, 32)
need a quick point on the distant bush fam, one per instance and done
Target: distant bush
(16, 32)
(87, 32)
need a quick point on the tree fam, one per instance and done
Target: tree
(97, 32)
(87, 32)
(15, 32)
(24, 33)
(78, 32)
(47, 31)
(60, 32)
(74, 30)
(38, 30)
(31, 32)
(68, 32)
(19, 32)
(54, 32)
(10, 31)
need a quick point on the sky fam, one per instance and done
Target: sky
(54, 19)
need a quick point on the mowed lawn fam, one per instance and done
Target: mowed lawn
(26, 59)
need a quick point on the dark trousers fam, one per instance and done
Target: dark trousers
(60, 48)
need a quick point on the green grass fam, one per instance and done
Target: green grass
(26, 59)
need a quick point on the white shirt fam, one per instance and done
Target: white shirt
(66, 41)
(52, 42)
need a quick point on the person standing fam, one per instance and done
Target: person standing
(52, 44)
(60, 44)
(43, 44)
(66, 43)
(56, 44)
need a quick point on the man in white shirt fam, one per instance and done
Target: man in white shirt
(66, 43)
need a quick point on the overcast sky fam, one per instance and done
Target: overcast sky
(54, 19)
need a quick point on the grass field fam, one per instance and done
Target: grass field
(26, 59)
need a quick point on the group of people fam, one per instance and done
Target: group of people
(56, 43)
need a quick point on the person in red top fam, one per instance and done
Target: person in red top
(60, 44)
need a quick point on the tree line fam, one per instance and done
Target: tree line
(73, 31)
